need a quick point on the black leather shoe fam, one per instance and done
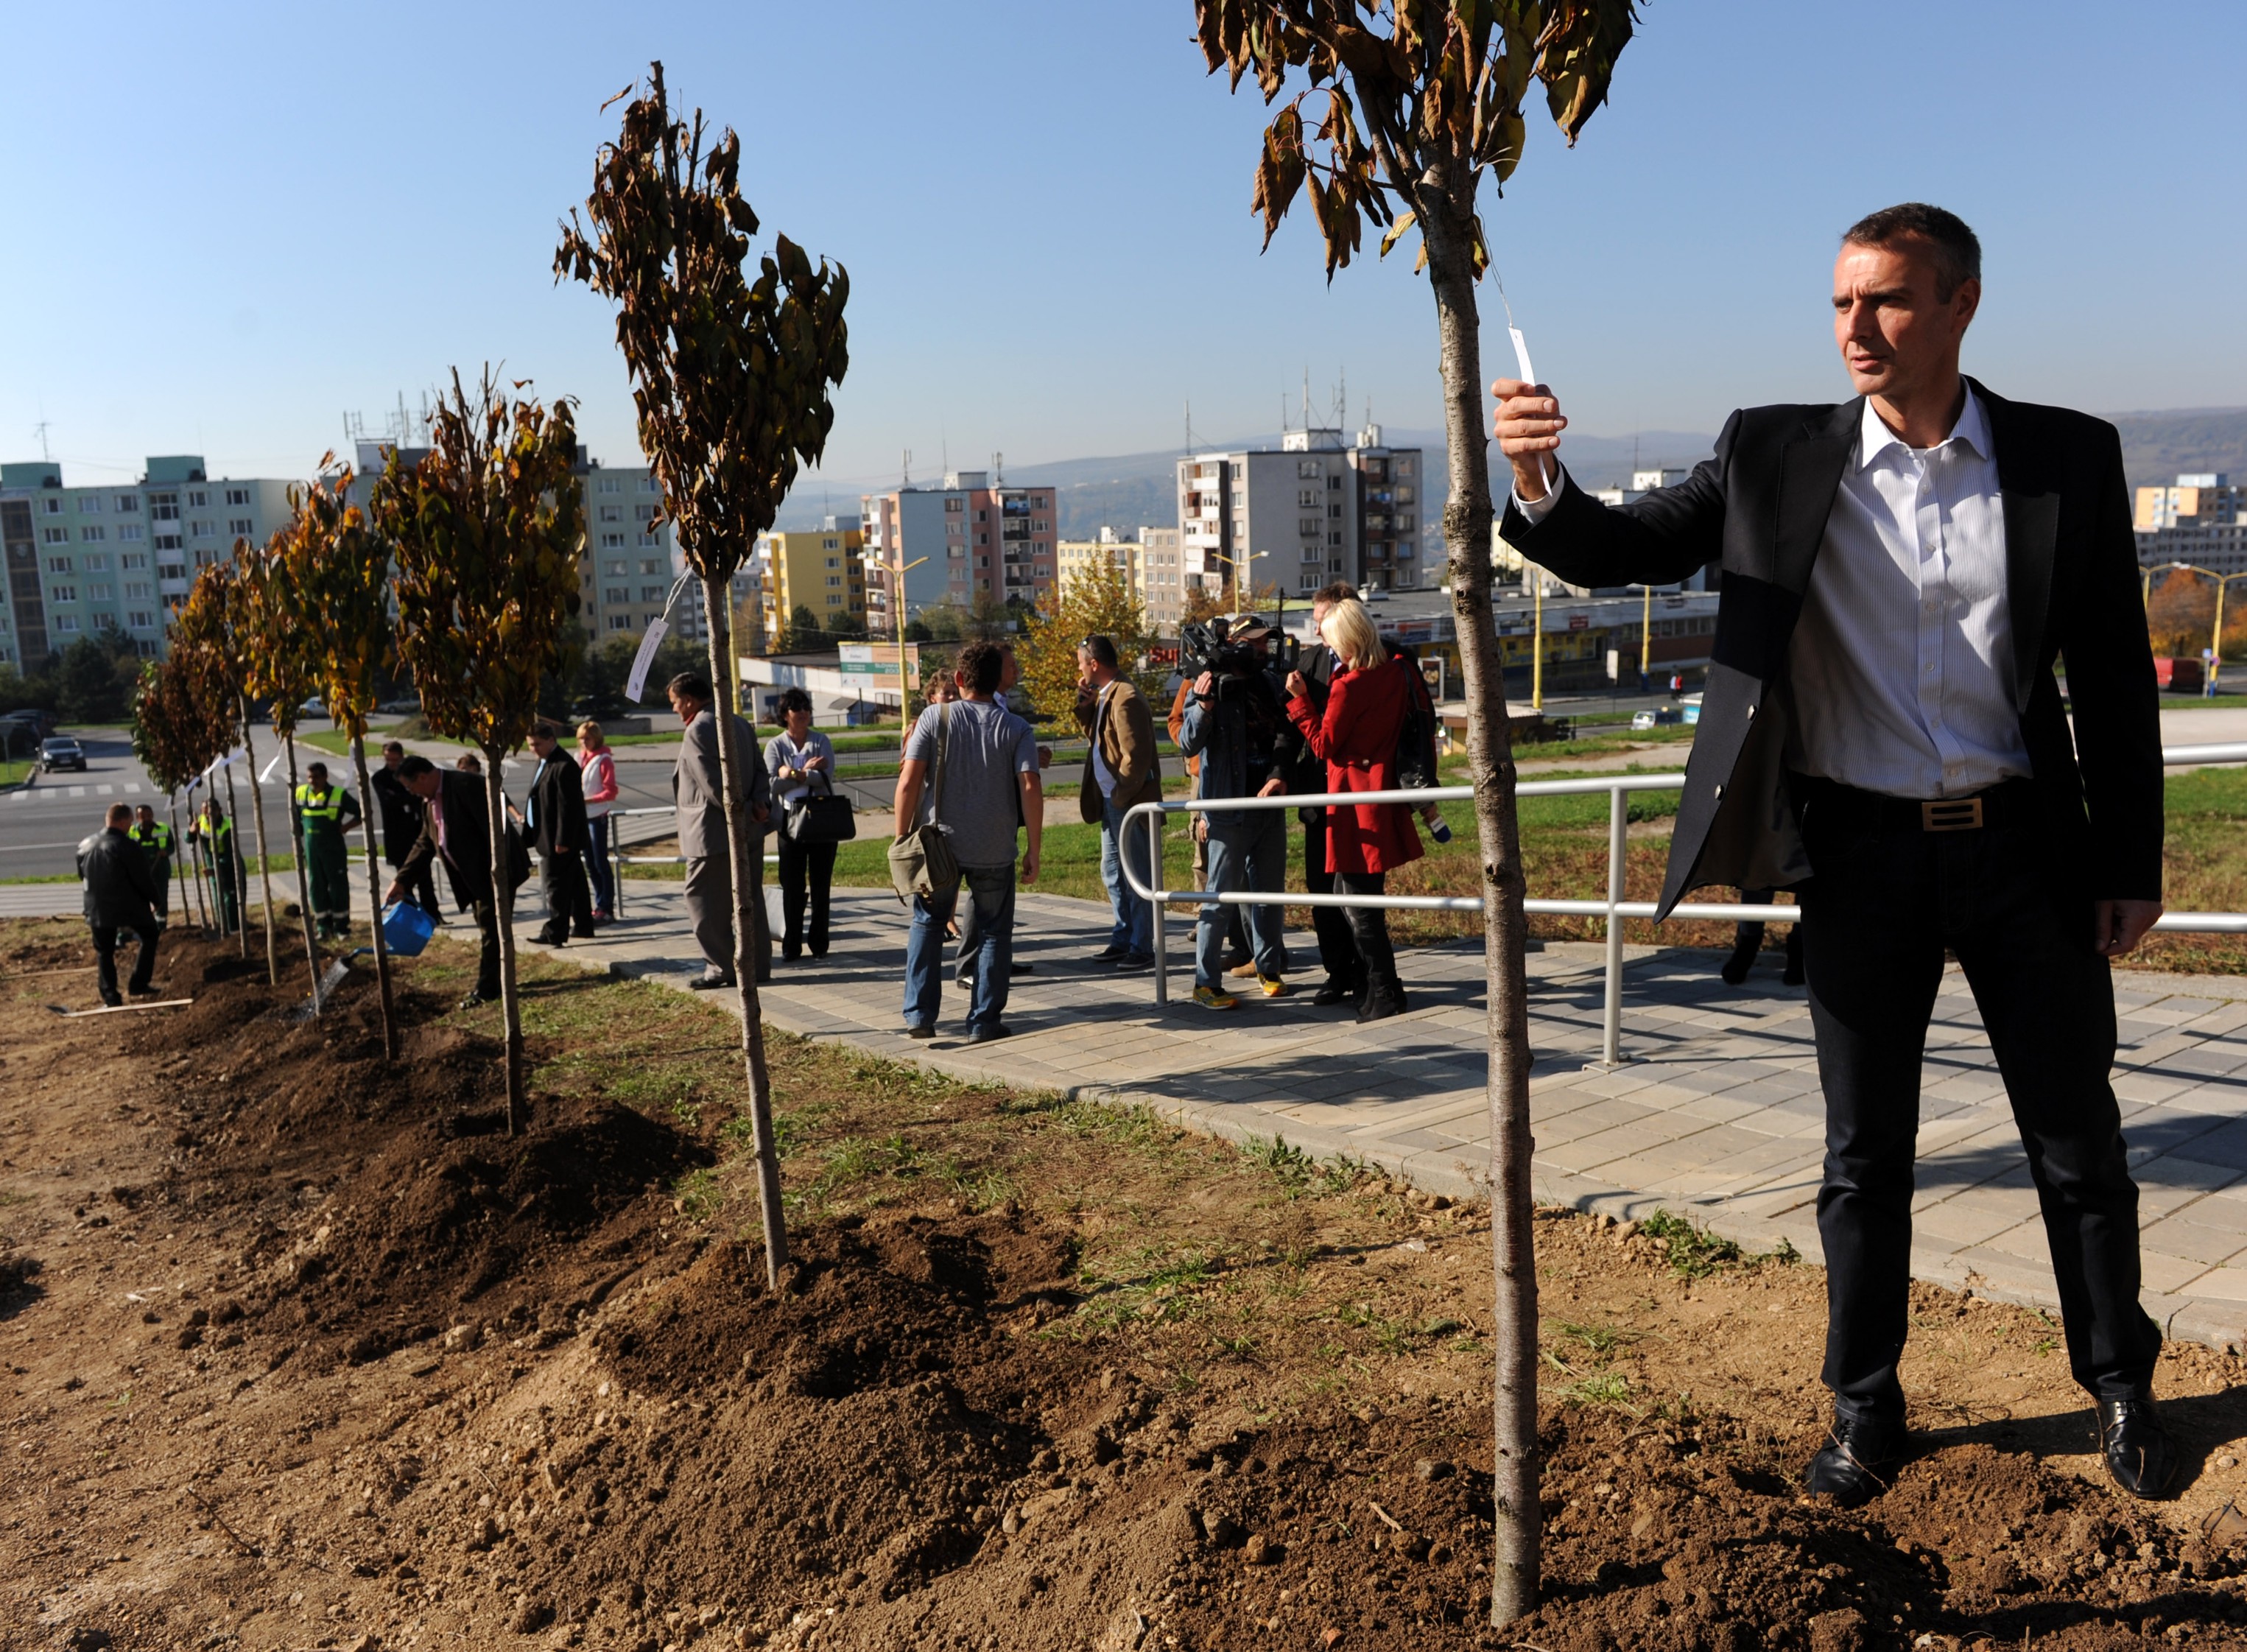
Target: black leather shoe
(1857, 1463)
(710, 982)
(1335, 992)
(2139, 1452)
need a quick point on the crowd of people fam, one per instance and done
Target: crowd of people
(1251, 725)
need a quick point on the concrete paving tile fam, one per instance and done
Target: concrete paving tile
(1961, 1224)
(2170, 1274)
(2221, 1285)
(2179, 1236)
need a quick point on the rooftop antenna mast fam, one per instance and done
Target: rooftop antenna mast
(998, 470)
(40, 431)
(905, 470)
(1307, 395)
(1190, 446)
(1341, 399)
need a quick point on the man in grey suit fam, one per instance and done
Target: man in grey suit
(700, 793)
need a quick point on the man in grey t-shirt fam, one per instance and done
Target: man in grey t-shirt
(989, 787)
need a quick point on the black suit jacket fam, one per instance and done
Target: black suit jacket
(121, 887)
(467, 839)
(1759, 507)
(557, 806)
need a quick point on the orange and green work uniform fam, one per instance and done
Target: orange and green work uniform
(226, 869)
(155, 840)
(323, 814)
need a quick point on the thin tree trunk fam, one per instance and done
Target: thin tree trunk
(179, 867)
(510, 1000)
(374, 902)
(264, 860)
(244, 925)
(740, 846)
(304, 873)
(1447, 232)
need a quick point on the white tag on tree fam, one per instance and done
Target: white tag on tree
(646, 657)
(1528, 377)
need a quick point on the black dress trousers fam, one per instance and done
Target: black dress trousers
(1886, 898)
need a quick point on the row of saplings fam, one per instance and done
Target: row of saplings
(463, 567)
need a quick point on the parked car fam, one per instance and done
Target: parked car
(399, 709)
(61, 751)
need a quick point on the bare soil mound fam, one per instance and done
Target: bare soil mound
(431, 1212)
(307, 1351)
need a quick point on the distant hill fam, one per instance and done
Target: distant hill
(2156, 446)
(1125, 491)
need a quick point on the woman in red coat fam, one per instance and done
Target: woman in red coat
(1366, 704)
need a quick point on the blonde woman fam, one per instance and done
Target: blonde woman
(1366, 703)
(598, 766)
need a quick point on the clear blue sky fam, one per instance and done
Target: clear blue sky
(226, 224)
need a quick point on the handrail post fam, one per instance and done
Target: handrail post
(1156, 924)
(1618, 823)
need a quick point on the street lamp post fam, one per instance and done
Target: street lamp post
(897, 568)
(1237, 563)
(2216, 637)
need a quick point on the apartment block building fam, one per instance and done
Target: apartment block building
(822, 570)
(2201, 520)
(976, 534)
(112, 557)
(1314, 510)
(1150, 565)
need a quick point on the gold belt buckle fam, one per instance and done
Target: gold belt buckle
(1951, 814)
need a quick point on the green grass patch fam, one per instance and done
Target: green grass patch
(1603, 1388)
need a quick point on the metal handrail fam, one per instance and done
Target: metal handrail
(1614, 910)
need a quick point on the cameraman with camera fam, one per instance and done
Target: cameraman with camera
(1235, 725)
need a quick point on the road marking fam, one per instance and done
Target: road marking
(132, 786)
(111, 791)
(77, 791)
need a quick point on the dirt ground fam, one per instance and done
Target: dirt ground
(304, 1352)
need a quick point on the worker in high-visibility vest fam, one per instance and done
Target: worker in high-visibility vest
(322, 813)
(214, 833)
(154, 838)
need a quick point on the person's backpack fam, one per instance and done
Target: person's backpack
(1416, 734)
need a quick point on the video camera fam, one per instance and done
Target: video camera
(1202, 648)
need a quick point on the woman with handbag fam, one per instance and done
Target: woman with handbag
(802, 762)
(599, 766)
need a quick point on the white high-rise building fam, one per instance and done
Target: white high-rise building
(1310, 512)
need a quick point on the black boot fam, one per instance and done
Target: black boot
(1793, 976)
(1747, 941)
(1384, 996)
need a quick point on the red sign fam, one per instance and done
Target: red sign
(1580, 621)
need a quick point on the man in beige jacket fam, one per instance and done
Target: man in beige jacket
(1122, 771)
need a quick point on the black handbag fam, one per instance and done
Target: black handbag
(821, 816)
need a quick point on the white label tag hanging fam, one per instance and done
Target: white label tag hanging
(1528, 377)
(646, 657)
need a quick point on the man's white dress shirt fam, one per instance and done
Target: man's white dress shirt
(1901, 662)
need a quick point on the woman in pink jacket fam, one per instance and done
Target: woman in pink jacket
(598, 767)
(1366, 703)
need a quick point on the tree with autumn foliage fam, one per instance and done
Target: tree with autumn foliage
(732, 374)
(173, 738)
(1418, 103)
(338, 568)
(275, 643)
(207, 639)
(487, 528)
(1092, 601)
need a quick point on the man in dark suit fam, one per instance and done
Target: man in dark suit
(401, 826)
(699, 787)
(121, 893)
(456, 830)
(554, 813)
(1882, 731)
